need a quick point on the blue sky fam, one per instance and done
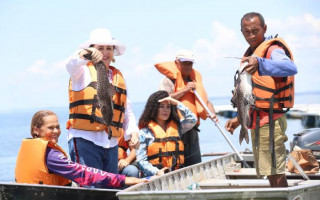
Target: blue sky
(38, 36)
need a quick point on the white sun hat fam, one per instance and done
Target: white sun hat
(102, 36)
(185, 56)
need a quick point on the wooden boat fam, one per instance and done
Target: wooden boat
(221, 178)
(47, 192)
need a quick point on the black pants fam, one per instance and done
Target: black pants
(192, 154)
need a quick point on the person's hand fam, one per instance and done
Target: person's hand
(213, 117)
(134, 141)
(253, 64)
(162, 171)
(122, 164)
(170, 100)
(232, 124)
(190, 86)
(134, 180)
(96, 55)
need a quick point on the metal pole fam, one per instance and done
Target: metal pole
(304, 175)
(217, 125)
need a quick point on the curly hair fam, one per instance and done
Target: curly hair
(150, 111)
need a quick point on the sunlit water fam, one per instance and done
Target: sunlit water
(16, 125)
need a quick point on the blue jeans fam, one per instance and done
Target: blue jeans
(131, 171)
(87, 153)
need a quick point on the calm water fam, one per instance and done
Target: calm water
(15, 126)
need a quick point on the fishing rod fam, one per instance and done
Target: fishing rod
(245, 164)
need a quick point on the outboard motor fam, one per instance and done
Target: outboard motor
(308, 139)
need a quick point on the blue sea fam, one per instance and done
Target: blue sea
(15, 126)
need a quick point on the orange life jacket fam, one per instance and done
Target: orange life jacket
(122, 148)
(31, 163)
(270, 93)
(281, 89)
(167, 150)
(84, 111)
(170, 70)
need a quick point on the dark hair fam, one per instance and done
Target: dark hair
(150, 111)
(37, 120)
(250, 15)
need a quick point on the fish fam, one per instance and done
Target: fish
(242, 99)
(105, 92)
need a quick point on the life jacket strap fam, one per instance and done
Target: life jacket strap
(164, 154)
(257, 130)
(87, 117)
(167, 139)
(263, 87)
(94, 118)
(82, 102)
(124, 149)
(271, 134)
(118, 107)
(288, 98)
(120, 90)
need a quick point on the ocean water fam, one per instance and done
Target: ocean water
(15, 126)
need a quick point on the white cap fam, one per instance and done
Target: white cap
(185, 56)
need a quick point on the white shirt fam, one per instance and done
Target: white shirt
(81, 78)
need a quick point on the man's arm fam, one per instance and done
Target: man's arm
(188, 88)
(279, 64)
(168, 85)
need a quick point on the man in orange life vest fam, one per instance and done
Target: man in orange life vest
(271, 65)
(180, 81)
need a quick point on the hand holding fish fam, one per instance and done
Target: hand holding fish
(96, 55)
(134, 142)
(252, 65)
(170, 100)
(232, 124)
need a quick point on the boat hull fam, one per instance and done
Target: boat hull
(221, 178)
(46, 192)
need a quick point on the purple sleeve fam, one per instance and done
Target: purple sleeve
(59, 164)
(279, 65)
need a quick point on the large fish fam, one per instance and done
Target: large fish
(242, 99)
(105, 92)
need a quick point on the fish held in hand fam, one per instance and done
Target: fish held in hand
(243, 100)
(105, 91)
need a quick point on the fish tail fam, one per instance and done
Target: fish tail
(243, 135)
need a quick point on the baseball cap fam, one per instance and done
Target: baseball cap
(185, 56)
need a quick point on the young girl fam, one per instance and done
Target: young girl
(42, 161)
(160, 130)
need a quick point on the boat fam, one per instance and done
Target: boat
(48, 192)
(221, 178)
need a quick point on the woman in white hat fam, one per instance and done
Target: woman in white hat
(89, 140)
